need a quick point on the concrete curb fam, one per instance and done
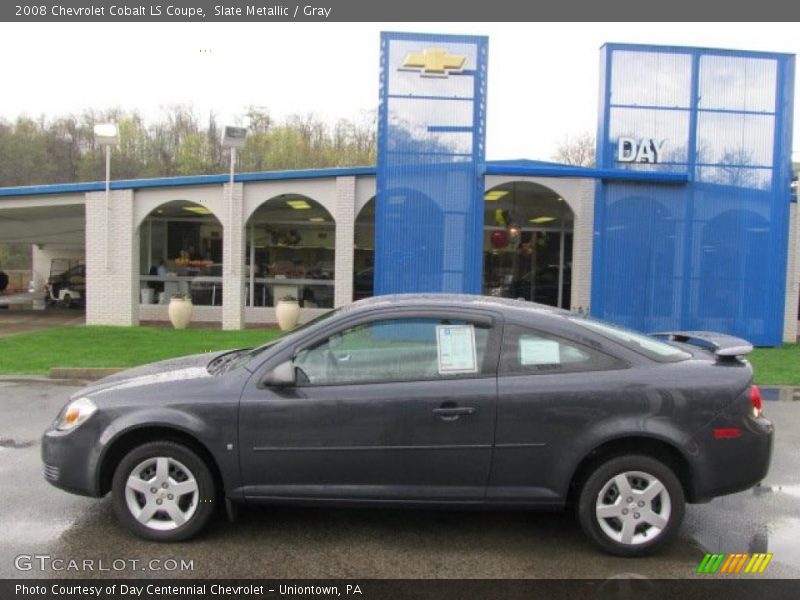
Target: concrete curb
(780, 393)
(83, 374)
(40, 379)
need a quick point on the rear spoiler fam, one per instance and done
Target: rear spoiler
(724, 346)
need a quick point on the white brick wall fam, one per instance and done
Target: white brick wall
(582, 244)
(345, 217)
(233, 243)
(792, 277)
(112, 260)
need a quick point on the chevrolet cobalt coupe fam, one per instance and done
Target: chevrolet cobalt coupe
(422, 400)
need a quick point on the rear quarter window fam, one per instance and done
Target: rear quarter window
(529, 351)
(638, 342)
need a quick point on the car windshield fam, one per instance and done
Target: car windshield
(638, 342)
(241, 357)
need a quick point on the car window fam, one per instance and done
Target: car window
(395, 350)
(638, 342)
(526, 350)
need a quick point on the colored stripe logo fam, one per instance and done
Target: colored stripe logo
(733, 564)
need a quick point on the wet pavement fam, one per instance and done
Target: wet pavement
(270, 542)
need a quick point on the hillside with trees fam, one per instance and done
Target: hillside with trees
(62, 149)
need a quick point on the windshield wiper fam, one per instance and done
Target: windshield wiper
(221, 363)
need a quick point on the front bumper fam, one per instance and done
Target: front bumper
(70, 459)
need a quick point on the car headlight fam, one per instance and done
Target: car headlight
(75, 413)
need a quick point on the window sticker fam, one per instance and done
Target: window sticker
(538, 351)
(455, 347)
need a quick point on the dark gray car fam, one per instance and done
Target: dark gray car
(422, 400)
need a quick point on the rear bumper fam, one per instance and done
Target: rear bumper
(728, 465)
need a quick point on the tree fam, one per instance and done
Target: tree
(578, 151)
(63, 149)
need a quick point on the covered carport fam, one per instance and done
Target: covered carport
(54, 225)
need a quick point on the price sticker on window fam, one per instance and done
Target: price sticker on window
(455, 346)
(538, 351)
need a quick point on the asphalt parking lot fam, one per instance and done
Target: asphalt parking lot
(276, 542)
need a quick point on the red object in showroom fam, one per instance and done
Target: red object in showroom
(499, 239)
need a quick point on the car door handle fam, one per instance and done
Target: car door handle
(451, 413)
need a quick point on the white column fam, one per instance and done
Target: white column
(792, 277)
(252, 273)
(112, 260)
(582, 243)
(233, 242)
(345, 237)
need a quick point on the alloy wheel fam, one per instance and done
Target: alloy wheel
(633, 507)
(161, 493)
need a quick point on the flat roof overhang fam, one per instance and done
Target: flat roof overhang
(521, 168)
(525, 168)
(128, 184)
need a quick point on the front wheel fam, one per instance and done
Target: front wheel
(163, 491)
(631, 505)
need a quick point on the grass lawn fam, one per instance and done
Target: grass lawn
(777, 366)
(78, 346)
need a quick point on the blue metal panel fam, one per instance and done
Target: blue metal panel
(711, 254)
(431, 147)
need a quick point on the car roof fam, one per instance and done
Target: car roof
(431, 300)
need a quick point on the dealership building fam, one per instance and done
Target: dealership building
(686, 223)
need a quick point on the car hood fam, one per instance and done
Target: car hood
(174, 369)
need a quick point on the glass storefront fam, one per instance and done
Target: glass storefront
(364, 252)
(180, 246)
(290, 251)
(527, 244)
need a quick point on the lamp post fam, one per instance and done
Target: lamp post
(234, 138)
(107, 135)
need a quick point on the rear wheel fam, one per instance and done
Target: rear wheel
(631, 505)
(163, 491)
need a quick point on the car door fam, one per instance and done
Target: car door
(550, 390)
(383, 409)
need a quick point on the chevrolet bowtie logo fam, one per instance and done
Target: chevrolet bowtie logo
(434, 62)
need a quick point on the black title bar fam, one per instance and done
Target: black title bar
(400, 10)
(623, 587)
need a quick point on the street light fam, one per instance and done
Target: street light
(233, 138)
(107, 135)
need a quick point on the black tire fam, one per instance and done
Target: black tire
(201, 503)
(635, 470)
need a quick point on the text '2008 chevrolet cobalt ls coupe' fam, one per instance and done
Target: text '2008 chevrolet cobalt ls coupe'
(422, 400)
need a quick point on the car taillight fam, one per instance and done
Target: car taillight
(755, 400)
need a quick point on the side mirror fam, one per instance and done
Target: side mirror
(281, 376)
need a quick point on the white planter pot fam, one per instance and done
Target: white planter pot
(180, 312)
(287, 313)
